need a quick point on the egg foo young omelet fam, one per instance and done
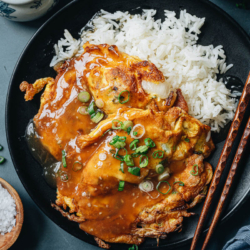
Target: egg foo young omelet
(131, 162)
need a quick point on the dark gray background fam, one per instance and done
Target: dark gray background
(38, 231)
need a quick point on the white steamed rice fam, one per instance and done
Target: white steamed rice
(172, 46)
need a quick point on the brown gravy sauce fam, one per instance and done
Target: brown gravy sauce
(55, 128)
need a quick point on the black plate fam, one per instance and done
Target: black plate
(34, 62)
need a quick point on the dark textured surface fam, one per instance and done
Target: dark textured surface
(46, 234)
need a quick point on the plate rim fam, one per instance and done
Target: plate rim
(180, 243)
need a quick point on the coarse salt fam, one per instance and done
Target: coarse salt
(7, 211)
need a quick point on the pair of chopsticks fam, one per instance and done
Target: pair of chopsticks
(233, 131)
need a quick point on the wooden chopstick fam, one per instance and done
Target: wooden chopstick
(228, 184)
(243, 102)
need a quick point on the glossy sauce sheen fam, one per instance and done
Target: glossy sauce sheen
(58, 124)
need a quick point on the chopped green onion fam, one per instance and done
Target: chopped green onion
(122, 167)
(106, 132)
(135, 133)
(193, 172)
(129, 160)
(126, 125)
(187, 140)
(122, 138)
(141, 149)
(143, 161)
(134, 247)
(64, 159)
(97, 117)
(146, 186)
(158, 154)
(180, 183)
(2, 159)
(174, 192)
(91, 108)
(129, 130)
(1, 147)
(115, 124)
(149, 142)
(159, 169)
(83, 110)
(121, 97)
(118, 141)
(158, 186)
(132, 145)
(99, 103)
(165, 175)
(114, 140)
(83, 96)
(121, 185)
(134, 170)
(134, 155)
(119, 157)
(77, 166)
(112, 151)
(174, 148)
(64, 176)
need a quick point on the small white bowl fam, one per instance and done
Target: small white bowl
(25, 10)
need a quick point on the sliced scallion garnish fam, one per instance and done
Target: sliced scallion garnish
(158, 186)
(64, 159)
(187, 140)
(83, 110)
(142, 149)
(134, 155)
(159, 169)
(129, 130)
(97, 117)
(158, 154)
(116, 124)
(121, 97)
(118, 141)
(118, 156)
(143, 161)
(134, 247)
(77, 166)
(83, 96)
(64, 176)
(122, 167)
(126, 125)
(1, 147)
(180, 183)
(99, 103)
(129, 160)
(134, 171)
(149, 142)
(92, 108)
(132, 145)
(193, 172)
(135, 133)
(2, 159)
(121, 185)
